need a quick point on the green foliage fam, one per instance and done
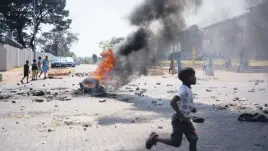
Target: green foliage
(104, 45)
(19, 17)
(69, 54)
(86, 60)
(58, 43)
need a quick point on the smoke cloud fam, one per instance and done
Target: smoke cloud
(158, 23)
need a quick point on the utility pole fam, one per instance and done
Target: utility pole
(34, 24)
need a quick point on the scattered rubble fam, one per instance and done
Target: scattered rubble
(4, 97)
(198, 119)
(160, 127)
(50, 130)
(39, 100)
(236, 99)
(38, 93)
(265, 110)
(209, 90)
(252, 90)
(259, 107)
(87, 125)
(80, 74)
(247, 117)
(102, 101)
(221, 107)
(172, 91)
(64, 98)
(243, 99)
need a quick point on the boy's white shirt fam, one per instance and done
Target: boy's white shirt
(185, 104)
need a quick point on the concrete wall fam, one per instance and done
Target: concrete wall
(11, 57)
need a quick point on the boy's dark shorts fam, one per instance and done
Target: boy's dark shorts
(182, 127)
(26, 74)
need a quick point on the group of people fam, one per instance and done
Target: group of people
(38, 67)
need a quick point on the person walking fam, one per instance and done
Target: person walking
(171, 68)
(241, 55)
(45, 66)
(39, 65)
(34, 70)
(204, 65)
(26, 71)
(179, 61)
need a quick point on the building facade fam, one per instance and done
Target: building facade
(225, 39)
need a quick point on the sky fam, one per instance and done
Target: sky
(96, 20)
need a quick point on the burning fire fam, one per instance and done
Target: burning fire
(106, 66)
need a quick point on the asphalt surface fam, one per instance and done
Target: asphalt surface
(62, 119)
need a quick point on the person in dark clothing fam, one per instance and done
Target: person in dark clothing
(171, 68)
(242, 57)
(183, 105)
(34, 70)
(26, 71)
(39, 65)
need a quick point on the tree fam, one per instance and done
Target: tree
(3, 27)
(69, 54)
(20, 14)
(58, 43)
(110, 43)
(95, 58)
(86, 60)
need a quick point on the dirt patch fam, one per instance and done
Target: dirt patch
(59, 72)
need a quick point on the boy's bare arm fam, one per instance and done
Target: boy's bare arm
(174, 105)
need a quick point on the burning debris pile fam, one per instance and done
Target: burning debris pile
(106, 67)
(92, 84)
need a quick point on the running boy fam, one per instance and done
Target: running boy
(183, 105)
(34, 70)
(26, 70)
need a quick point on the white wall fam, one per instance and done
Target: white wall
(11, 57)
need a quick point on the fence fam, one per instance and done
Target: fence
(11, 57)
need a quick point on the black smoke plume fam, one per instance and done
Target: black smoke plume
(135, 42)
(158, 23)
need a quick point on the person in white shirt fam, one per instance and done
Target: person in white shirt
(183, 105)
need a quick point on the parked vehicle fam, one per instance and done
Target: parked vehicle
(58, 62)
(69, 61)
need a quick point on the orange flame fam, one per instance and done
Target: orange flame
(106, 66)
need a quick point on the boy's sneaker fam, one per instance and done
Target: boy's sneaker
(151, 140)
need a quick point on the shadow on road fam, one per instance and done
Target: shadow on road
(221, 129)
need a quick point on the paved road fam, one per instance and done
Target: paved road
(79, 122)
